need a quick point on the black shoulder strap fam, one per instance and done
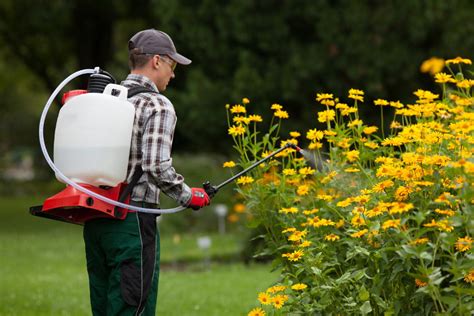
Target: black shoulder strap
(128, 189)
(137, 174)
(133, 91)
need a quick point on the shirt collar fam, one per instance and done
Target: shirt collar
(141, 80)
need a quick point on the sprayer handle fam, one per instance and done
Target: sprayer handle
(209, 188)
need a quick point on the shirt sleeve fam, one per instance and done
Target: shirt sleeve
(156, 152)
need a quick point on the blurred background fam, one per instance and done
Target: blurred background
(270, 51)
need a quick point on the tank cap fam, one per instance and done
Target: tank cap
(70, 94)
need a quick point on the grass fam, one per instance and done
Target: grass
(43, 271)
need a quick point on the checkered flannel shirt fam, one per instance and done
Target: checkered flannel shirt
(151, 146)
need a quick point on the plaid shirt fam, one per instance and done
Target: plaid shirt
(151, 146)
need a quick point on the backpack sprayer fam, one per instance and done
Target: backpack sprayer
(91, 151)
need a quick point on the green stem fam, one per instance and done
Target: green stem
(381, 121)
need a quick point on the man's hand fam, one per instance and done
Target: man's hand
(199, 199)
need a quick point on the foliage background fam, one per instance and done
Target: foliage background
(269, 51)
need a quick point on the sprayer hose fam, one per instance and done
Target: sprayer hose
(61, 176)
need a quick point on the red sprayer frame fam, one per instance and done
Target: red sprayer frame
(73, 206)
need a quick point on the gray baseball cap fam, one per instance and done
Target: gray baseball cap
(152, 41)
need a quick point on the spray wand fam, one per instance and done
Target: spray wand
(212, 190)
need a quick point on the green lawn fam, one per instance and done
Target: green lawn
(42, 270)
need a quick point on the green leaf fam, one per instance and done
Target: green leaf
(364, 295)
(345, 277)
(427, 256)
(316, 271)
(366, 308)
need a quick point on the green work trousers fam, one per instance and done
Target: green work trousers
(123, 264)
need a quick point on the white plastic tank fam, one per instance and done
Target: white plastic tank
(92, 137)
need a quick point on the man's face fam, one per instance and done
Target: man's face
(165, 70)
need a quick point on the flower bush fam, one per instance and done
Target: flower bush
(381, 224)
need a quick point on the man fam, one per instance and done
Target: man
(123, 256)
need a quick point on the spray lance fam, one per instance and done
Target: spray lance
(212, 190)
(77, 199)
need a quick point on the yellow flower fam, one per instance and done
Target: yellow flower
(317, 222)
(236, 130)
(315, 145)
(288, 210)
(381, 102)
(297, 235)
(400, 208)
(276, 289)
(293, 256)
(279, 300)
(323, 96)
(419, 241)
(233, 218)
(295, 134)
(245, 101)
(463, 244)
(302, 190)
(459, 60)
(326, 116)
(356, 92)
(370, 130)
(264, 298)
(348, 110)
(281, 114)
(289, 172)
(420, 283)
(314, 134)
(328, 102)
(239, 208)
(288, 230)
(245, 180)
(345, 203)
(465, 84)
(355, 123)
(352, 155)
(445, 212)
(299, 286)
(241, 119)
(331, 237)
(359, 233)
(425, 95)
(305, 244)
(238, 109)
(396, 104)
(310, 212)
(229, 164)
(391, 223)
(432, 65)
(352, 170)
(469, 277)
(402, 193)
(381, 186)
(276, 107)
(395, 125)
(256, 312)
(357, 221)
(441, 77)
(255, 118)
(306, 171)
(442, 225)
(356, 97)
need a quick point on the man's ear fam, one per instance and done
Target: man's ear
(156, 61)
